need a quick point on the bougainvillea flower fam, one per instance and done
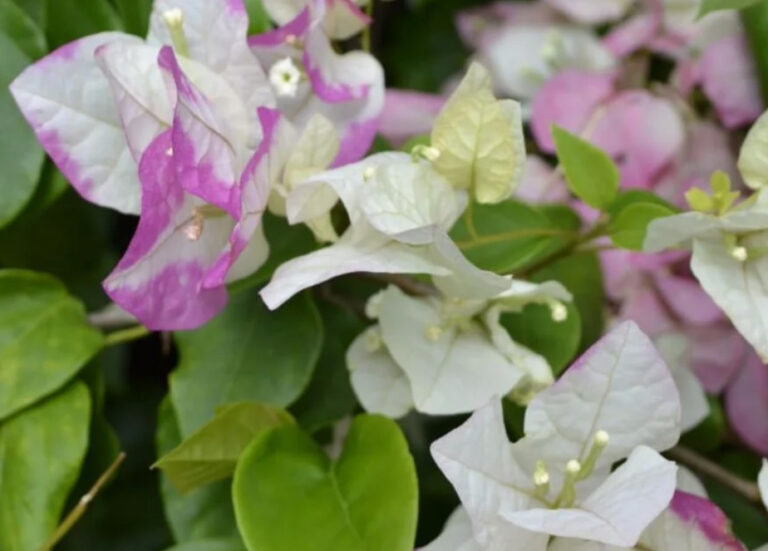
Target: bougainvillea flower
(348, 89)
(642, 132)
(592, 11)
(407, 114)
(342, 19)
(523, 46)
(114, 103)
(399, 211)
(556, 481)
(186, 249)
(690, 523)
(423, 350)
(727, 258)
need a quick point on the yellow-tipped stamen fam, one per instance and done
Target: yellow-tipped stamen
(567, 495)
(174, 21)
(559, 311)
(599, 443)
(541, 479)
(369, 173)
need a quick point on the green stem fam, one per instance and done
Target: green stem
(576, 247)
(82, 506)
(367, 30)
(469, 220)
(126, 335)
(755, 19)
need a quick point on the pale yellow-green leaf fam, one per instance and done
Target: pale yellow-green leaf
(753, 159)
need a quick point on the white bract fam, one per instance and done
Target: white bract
(618, 401)
(424, 351)
(729, 260)
(762, 482)
(399, 212)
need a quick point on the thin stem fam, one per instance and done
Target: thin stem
(111, 317)
(704, 466)
(82, 506)
(126, 335)
(366, 40)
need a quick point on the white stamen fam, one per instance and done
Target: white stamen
(285, 77)
(169, 152)
(740, 254)
(433, 333)
(173, 17)
(559, 312)
(573, 467)
(602, 438)
(369, 173)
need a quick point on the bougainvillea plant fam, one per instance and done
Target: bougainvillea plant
(384, 275)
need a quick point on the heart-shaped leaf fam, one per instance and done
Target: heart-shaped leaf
(212, 452)
(289, 496)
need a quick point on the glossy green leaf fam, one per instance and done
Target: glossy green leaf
(210, 545)
(20, 155)
(44, 338)
(35, 9)
(509, 235)
(212, 452)
(534, 328)
(589, 172)
(205, 513)
(135, 15)
(289, 496)
(583, 277)
(329, 396)
(755, 21)
(41, 451)
(72, 19)
(247, 353)
(708, 6)
(258, 16)
(628, 228)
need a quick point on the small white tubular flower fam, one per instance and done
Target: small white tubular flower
(173, 17)
(577, 429)
(285, 77)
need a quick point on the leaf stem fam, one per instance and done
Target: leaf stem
(469, 220)
(80, 509)
(708, 468)
(126, 335)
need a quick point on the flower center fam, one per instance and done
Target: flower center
(174, 21)
(194, 229)
(285, 77)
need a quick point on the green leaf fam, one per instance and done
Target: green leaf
(206, 513)
(41, 451)
(259, 18)
(755, 21)
(628, 228)
(247, 353)
(534, 328)
(35, 9)
(708, 6)
(44, 338)
(510, 235)
(590, 173)
(583, 277)
(72, 19)
(748, 519)
(210, 545)
(20, 154)
(19, 27)
(289, 495)
(212, 452)
(329, 396)
(135, 15)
